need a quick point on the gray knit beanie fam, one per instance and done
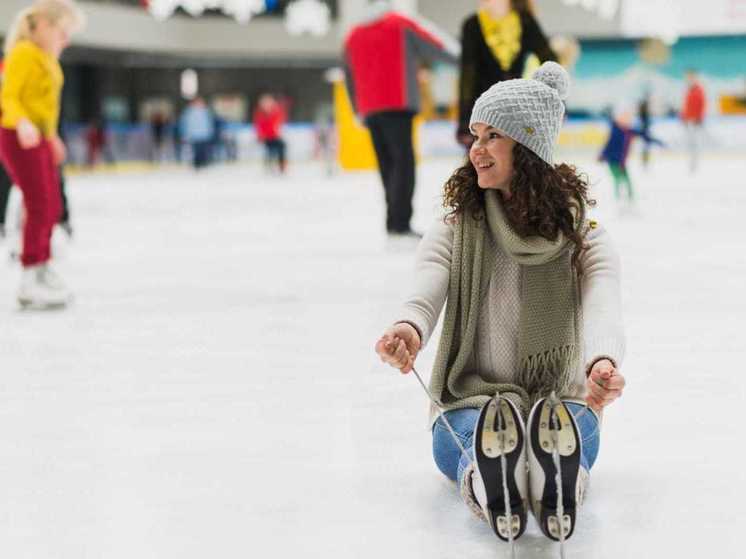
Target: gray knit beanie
(529, 111)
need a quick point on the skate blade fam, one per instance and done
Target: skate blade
(566, 440)
(494, 441)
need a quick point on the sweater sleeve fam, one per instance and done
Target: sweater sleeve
(429, 42)
(603, 330)
(536, 41)
(431, 276)
(16, 73)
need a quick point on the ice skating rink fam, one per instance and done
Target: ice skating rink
(213, 392)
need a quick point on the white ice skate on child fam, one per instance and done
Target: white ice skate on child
(557, 480)
(42, 288)
(500, 482)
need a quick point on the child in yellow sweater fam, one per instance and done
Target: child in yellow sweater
(30, 148)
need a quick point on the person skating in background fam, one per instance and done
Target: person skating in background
(96, 142)
(616, 150)
(5, 186)
(30, 147)
(269, 117)
(387, 100)
(532, 295)
(495, 44)
(5, 183)
(197, 127)
(324, 147)
(693, 115)
(177, 140)
(64, 221)
(158, 135)
(643, 115)
(218, 149)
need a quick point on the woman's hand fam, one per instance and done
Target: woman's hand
(59, 151)
(605, 384)
(28, 134)
(399, 346)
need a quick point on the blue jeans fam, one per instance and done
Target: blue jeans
(452, 463)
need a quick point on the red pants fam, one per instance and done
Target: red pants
(34, 172)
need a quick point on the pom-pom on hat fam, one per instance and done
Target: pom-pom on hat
(529, 111)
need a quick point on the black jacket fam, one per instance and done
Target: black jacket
(480, 69)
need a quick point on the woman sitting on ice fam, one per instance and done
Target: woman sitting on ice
(533, 311)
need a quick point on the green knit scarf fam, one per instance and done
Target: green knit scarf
(549, 345)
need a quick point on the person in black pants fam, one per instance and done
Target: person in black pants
(643, 113)
(387, 100)
(64, 220)
(392, 139)
(5, 185)
(495, 45)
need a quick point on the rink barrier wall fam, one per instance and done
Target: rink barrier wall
(726, 134)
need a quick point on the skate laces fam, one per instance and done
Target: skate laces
(503, 460)
(442, 415)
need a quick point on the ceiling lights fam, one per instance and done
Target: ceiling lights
(606, 9)
(301, 16)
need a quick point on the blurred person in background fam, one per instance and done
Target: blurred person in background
(64, 221)
(382, 55)
(5, 186)
(643, 115)
(617, 147)
(97, 143)
(324, 135)
(30, 147)
(495, 44)
(693, 116)
(532, 302)
(197, 127)
(269, 117)
(158, 133)
(177, 140)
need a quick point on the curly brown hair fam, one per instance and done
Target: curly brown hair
(541, 200)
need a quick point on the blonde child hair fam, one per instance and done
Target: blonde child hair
(54, 11)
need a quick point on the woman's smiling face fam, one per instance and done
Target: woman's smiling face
(492, 157)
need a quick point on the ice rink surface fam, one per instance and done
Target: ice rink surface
(213, 392)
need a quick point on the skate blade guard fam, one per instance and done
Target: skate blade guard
(490, 442)
(569, 447)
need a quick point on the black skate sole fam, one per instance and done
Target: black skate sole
(490, 470)
(569, 464)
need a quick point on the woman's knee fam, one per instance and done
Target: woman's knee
(445, 452)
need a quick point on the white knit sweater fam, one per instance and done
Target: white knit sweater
(496, 350)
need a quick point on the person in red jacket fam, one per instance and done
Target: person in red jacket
(382, 57)
(693, 115)
(269, 117)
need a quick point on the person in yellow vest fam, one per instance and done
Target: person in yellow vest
(495, 45)
(30, 148)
